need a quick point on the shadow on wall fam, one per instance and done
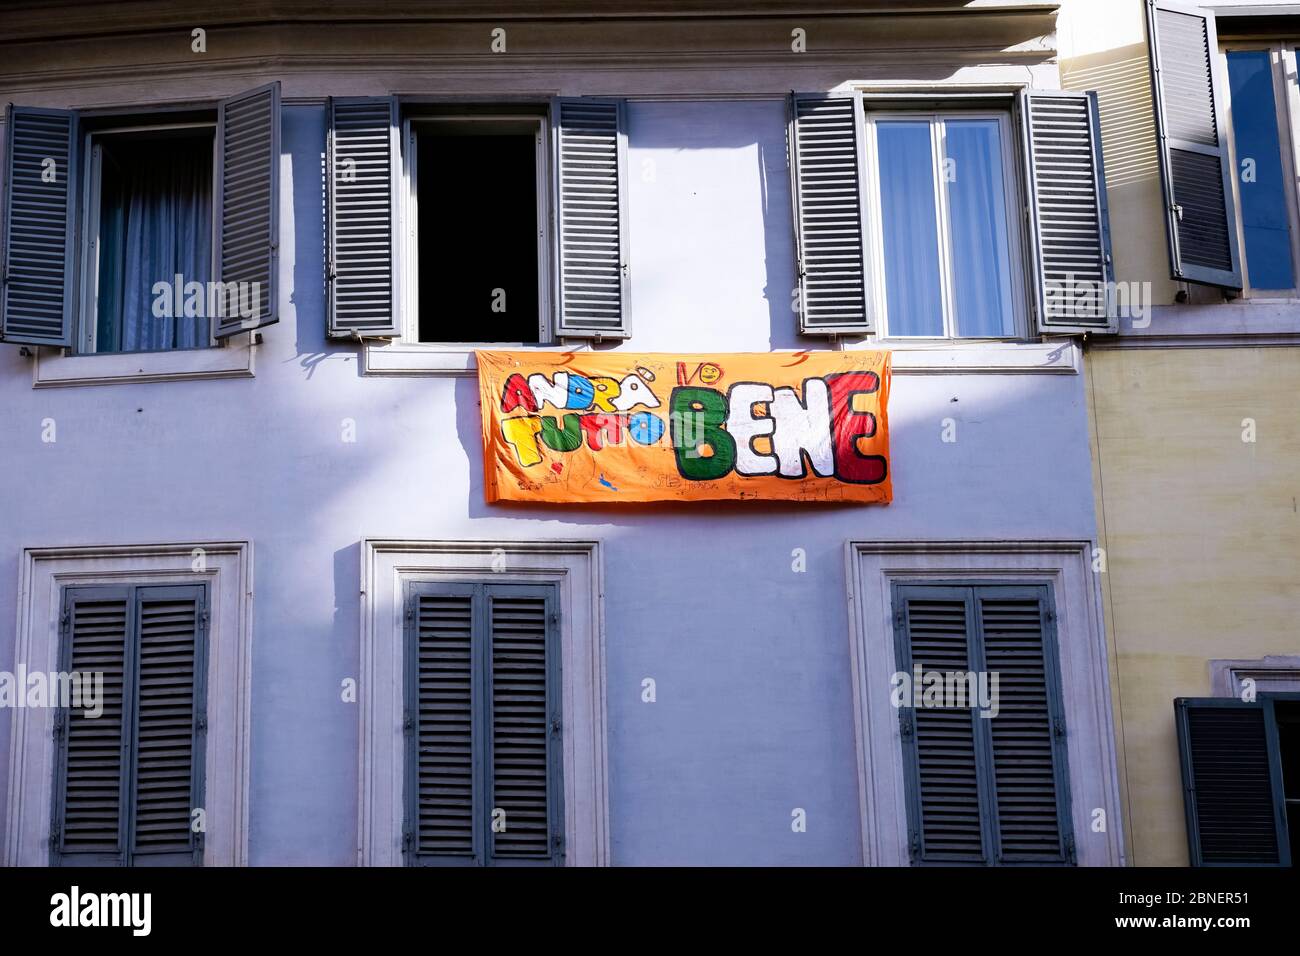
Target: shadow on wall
(1122, 79)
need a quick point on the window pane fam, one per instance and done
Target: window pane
(478, 237)
(155, 223)
(911, 238)
(1264, 210)
(977, 212)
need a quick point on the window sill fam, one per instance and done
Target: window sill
(414, 358)
(53, 369)
(1058, 357)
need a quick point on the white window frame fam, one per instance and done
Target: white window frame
(574, 567)
(1012, 192)
(1273, 674)
(226, 567)
(1286, 100)
(407, 354)
(872, 567)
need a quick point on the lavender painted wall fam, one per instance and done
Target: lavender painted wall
(754, 714)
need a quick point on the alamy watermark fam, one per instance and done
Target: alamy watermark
(948, 689)
(178, 298)
(77, 690)
(1077, 298)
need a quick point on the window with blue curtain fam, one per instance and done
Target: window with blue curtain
(1265, 212)
(946, 237)
(154, 225)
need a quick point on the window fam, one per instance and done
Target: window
(1241, 779)
(478, 212)
(940, 215)
(147, 259)
(1261, 149)
(986, 776)
(178, 211)
(452, 226)
(483, 751)
(943, 201)
(128, 779)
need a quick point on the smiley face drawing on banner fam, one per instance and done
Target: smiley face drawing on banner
(578, 427)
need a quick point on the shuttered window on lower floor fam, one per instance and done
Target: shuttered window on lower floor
(482, 725)
(129, 775)
(982, 725)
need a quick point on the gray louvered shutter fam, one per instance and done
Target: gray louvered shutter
(90, 786)
(591, 217)
(442, 678)
(525, 720)
(37, 261)
(248, 208)
(825, 137)
(170, 726)
(362, 215)
(1193, 144)
(940, 744)
(1070, 227)
(1232, 782)
(1028, 733)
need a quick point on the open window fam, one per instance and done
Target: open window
(945, 216)
(178, 213)
(457, 225)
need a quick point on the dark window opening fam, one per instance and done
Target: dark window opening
(478, 242)
(1288, 743)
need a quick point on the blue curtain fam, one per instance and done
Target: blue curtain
(912, 288)
(977, 214)
(155, 224)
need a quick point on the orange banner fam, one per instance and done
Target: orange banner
(617, 426)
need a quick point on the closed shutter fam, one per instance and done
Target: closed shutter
(591, 213)
(483, 751)
(1070, 227)
(1232, 782)
(441, 683)
(248, 210)
(525, 724)
(826, 149)
(36, 264)
(1193, 144)
(1028, 732)
(170, 722)
(940, 742)
(362, 215)
(129, 780)
(983, 789)
(91, 789)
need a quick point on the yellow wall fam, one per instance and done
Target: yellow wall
(1202, 538)
(1102, 46)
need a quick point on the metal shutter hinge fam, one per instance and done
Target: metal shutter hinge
(56, 836)
(406, 841)
(555, 726)
(914, 844)
(408, 725)
(1058, 726)
(1069, 847)
(1177, 210)
(201, 722)
(905, 725)
(58, 724)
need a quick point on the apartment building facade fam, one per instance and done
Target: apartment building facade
(1195, 436)
(325, 640)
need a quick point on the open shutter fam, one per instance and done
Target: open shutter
(825, 136)
(248, 211)
(1194, 163)
(940, 743)
(91, 790)
(1070, 231)
(525, 717)
(591, 217)
(37, 261)
(1232, 782)
(442, 763)
(1028, 733)
(170, 724)
(362, 214)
